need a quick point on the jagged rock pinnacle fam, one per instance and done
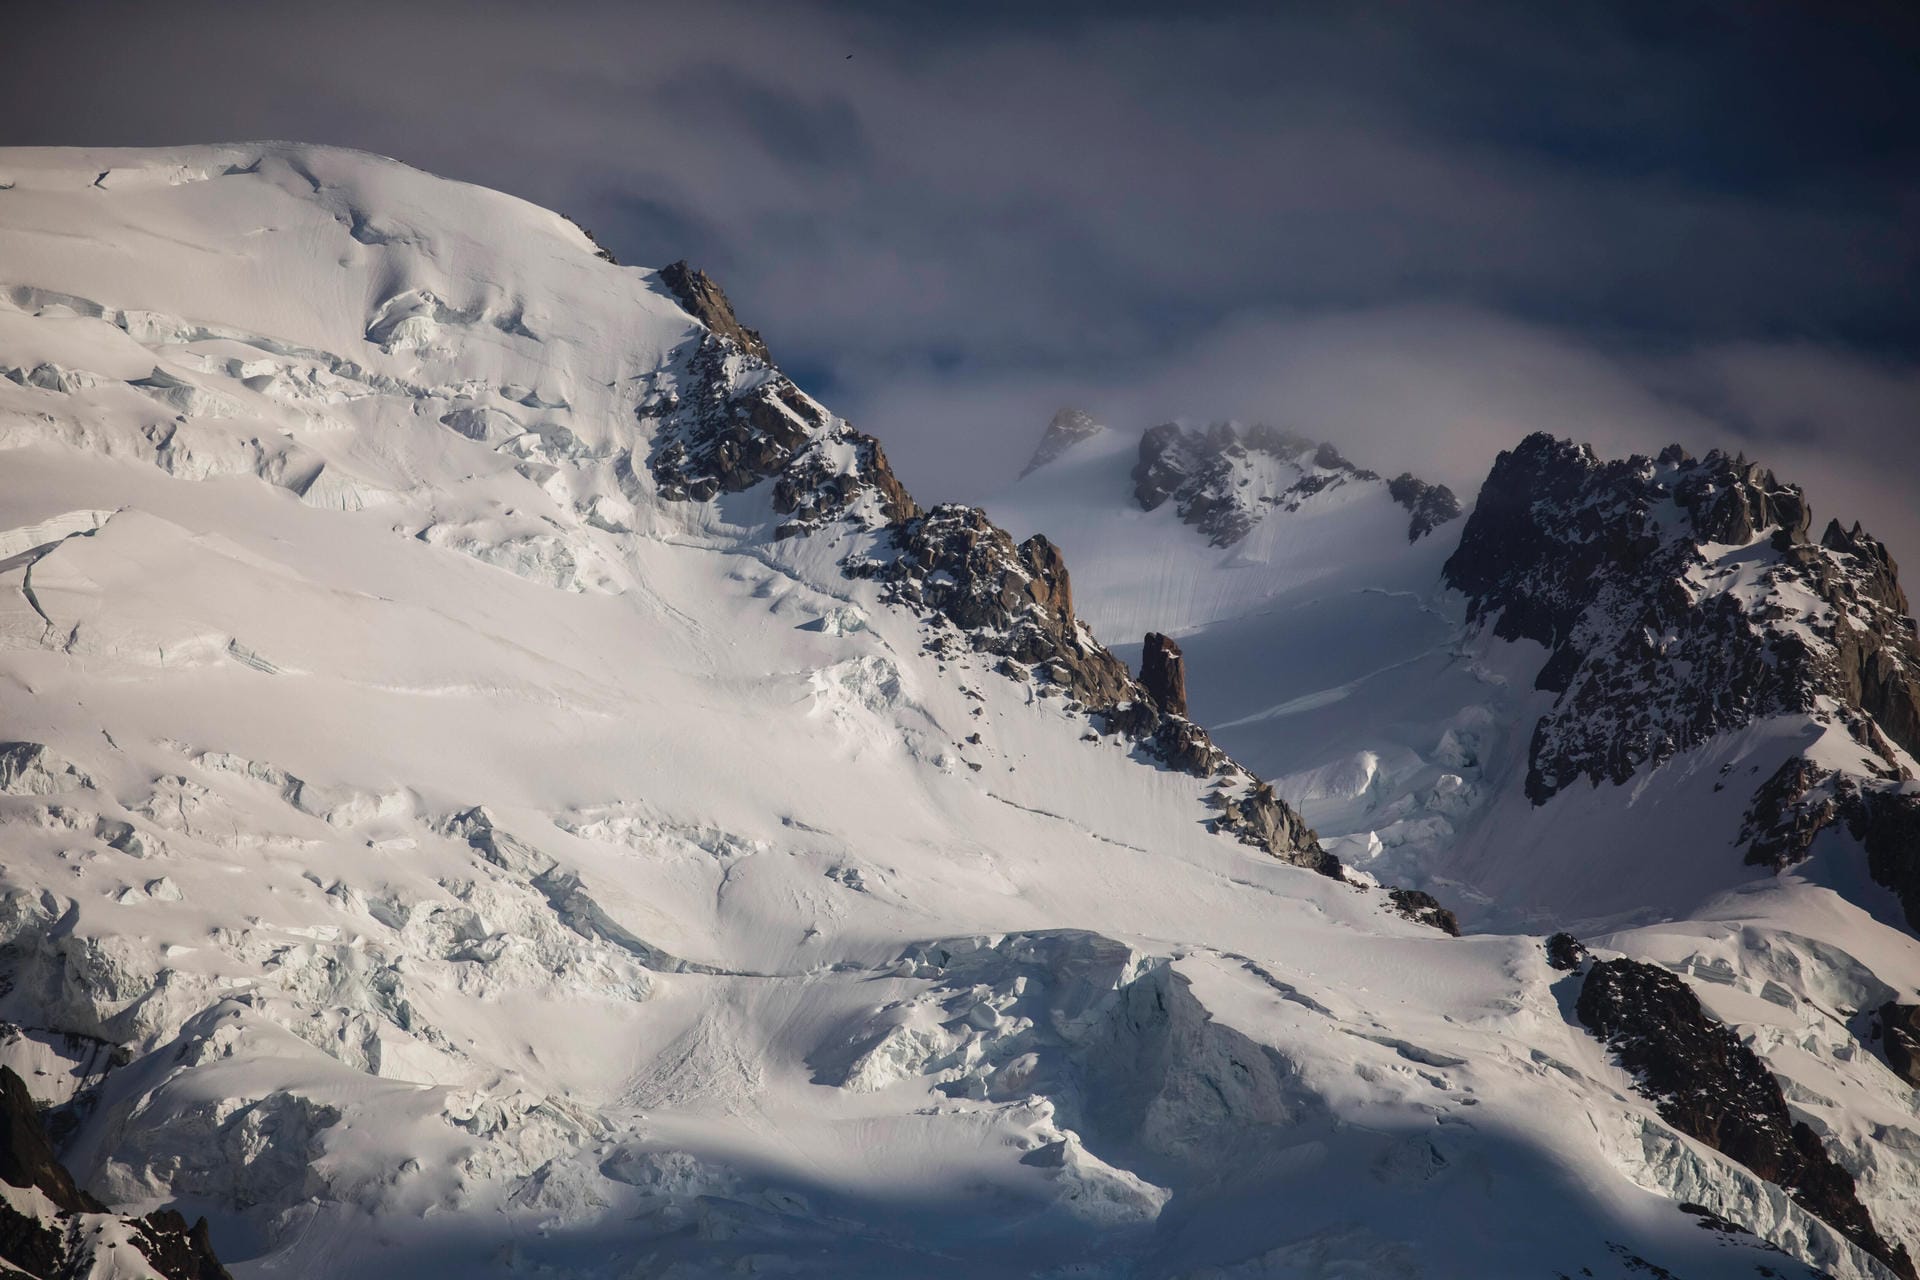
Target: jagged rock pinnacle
(1163, 673)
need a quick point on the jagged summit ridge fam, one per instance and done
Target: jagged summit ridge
(1225, 478)
(1680, 600)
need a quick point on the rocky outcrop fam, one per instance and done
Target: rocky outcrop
(819, 486)
(1900, 1039)
(1163, 673)
(1207, 475)
(984, 593)
(1713, 1088)
(1224, 479)
(707, 303)
(730, 423)
(1564, 952)
(1431, 505)
(1801, 801)
(1423, 908)
(1254, 814)
(727, 420)
(1885, 819)
(1874, 663)
(26, 1155)
(177, 1250)
(1789, 811)
(61, 1245)
(1011, 600)
(1067, 429)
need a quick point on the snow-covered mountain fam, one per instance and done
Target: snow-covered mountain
(1618, 694)
(498, 780)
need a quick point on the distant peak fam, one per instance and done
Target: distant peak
(707, 302)
(1212, 476)
(1068, 428)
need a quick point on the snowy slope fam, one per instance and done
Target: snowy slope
(490, 857)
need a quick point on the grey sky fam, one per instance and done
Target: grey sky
(1417, 230)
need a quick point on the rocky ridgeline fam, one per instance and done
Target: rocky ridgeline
(1223, 479)
(733, 421)
(979, 591)
(1711, 1087)
(50, 1228)
(730, 420)
(1682, 598)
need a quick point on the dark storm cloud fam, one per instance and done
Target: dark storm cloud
(1420, 230)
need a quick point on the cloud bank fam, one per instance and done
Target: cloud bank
(1419, 231)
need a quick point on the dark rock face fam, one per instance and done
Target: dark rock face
(1900, 1039)
(1068, 428)
(26, 1156)
(58, 1247)
(1669, 621)
(1163, 673)
(1653, 651)
(1431, 505)
(1708, 1085)
(1424, 908)
(1565, 952)
(1886, 821)
(1789, 811)
(708, 304)
(1801, 801)
(176, 1250)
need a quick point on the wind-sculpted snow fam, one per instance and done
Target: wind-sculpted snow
(497, 780)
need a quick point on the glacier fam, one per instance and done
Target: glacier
(471, 853)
